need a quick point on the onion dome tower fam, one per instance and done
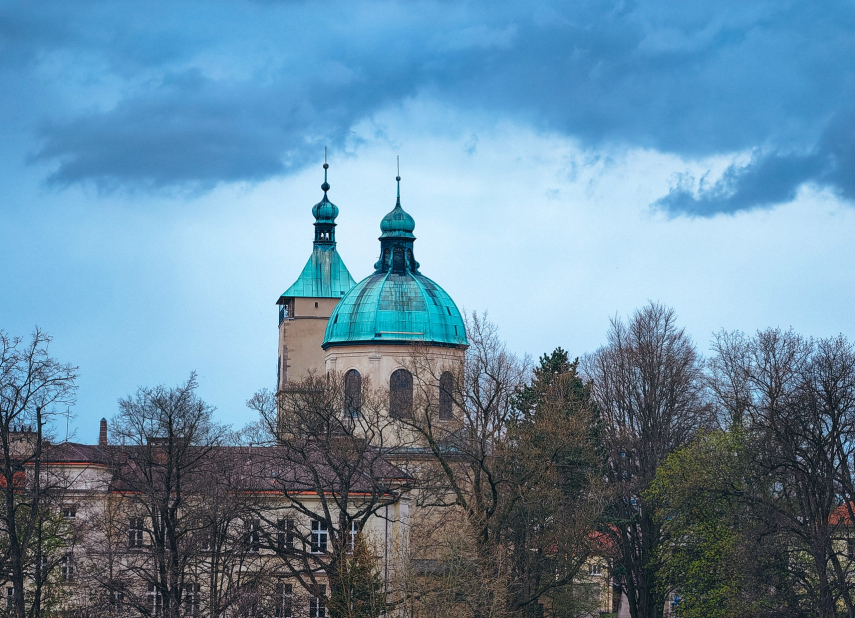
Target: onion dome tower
(396, 304)
(305, 306)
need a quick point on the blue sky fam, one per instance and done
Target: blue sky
(564, 162)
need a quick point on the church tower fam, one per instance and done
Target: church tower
(305, 307)
(389, 314)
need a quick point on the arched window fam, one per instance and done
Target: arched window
(401, 394)
(352, 393)
(446, 386)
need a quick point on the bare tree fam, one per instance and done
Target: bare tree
(163, 471)
(795, 400)
(230, 566)
(329, 459)
(648, 384)
(517, 460)
(33, 389)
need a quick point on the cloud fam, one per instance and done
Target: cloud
(233, 92)
(193, 134)
(771, 178)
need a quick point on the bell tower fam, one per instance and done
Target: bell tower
(305, 307)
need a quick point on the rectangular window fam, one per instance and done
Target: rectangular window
(191, 599)
(10, 597)
(136, 532)
(66, 568)
(320, 536)
(117, 599)
(284, 600)
(285, 535)
(318, 602)
(252, 535)
(594, 569)
(69, 512)
(155, 601)
(351, 538)
(207, 543)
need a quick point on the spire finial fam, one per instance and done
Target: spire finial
(398, 178)
(326, 185)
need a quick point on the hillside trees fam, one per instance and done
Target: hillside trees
(34, 387)
(648, 384)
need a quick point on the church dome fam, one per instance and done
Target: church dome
(325, 211)
(396, 308)
(396, 304)
(397, 224)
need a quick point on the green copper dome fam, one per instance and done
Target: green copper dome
(396, 308)
(397, 224)
(325, 275)
(325, 211)
(396, 304)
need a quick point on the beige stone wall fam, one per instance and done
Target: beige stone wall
(301, 336)
(377, 362)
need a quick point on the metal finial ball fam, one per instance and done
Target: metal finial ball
(398, 178)
(325, 187)
(326, 166)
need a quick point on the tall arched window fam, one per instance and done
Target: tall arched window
(401, 394)
(352, 393)
(446, 384)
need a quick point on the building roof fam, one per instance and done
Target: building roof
(396, 304)
(249, 468)
(396, 308)
(325, 275)
(72, 452)
(397, 224)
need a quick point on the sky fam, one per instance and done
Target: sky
(565, 163)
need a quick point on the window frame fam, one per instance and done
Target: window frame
(284, 600)
(252, 535)
(156, 600)
(67, 568)
(192, 598)
(319, 537)
(318, 601)
(446, 399)
(136, 532)
(285, 533)
(352, 401)
(401, 394)
(351, 538)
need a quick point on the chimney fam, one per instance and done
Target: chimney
(102, 436)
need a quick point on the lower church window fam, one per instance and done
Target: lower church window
(401, 394)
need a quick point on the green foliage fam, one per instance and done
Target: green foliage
(551, 465)
(360, 591)
(717, 556)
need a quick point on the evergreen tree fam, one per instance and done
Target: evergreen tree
(361, 593)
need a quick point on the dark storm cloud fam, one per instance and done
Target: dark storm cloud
(229, 92)
(194, 133)
(772, 178)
